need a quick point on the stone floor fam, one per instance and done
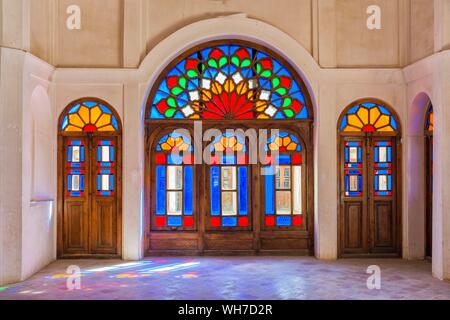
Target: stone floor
(249, 278)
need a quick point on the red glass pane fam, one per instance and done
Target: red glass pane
(215, 222)
(160, 158)
(90, 128)
(160, 221)
(297, 159)
(298, 220)
(369, 128)
(188, 159)
(188, 221)
(270, 221)
(243, 222)
(242, 159)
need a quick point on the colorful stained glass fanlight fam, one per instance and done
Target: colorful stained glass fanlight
(430, 120)
(369, 117)
(283, 186)
(228, 82)
(89, 116)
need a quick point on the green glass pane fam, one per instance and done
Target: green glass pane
(192, 74)
(258, 68)
(275, 82)
(287, 102)
(281, 91)
(183, 82)
(212, 63)
(246, 63)
(289, 113)
(235, 61)
(176, 91)
(266, 74)
(171, 102)
(223, 61)
(170, 112)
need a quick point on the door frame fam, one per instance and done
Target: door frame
(399, 190)
(60, 181)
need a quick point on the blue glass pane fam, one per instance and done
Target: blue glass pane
(284, 159)
(174, 221)
(284, 221)
(161, 190)
(243, 191)
(270, 203)
(215, 191)
(188, 187)
(229, 222)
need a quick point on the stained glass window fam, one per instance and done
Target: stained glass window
(228, 82)
(76, 168)
(229, 175)
(89, 116)
(283, 181)
(174, 182)
(353, 168)
(368, 117)
(430, 120)
(105, 167)
(383, 168)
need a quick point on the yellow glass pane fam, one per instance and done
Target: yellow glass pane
(386, 129)
(242, 88)
(232, 141)
(363, 113)
(166, 147)
(286, 141)
(71, 128)
(292, 146)
(104, 120)
(351, 129)
(171, 142)
(184, 147)
(229, 86)
(354, 121)
(239, 147)
(216, 88)
(96, 112)
(107, 128)
(278, 141)
(273, 147)
(206, 95)
(374, 114)
(261, 106)
(84, 114)
(75, 120)
(219, 147)
(383, 121)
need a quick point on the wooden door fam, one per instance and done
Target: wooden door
(90, 218)
(368, 210)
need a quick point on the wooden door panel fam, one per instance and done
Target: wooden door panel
(384, 235)
(353, 226)
(75, 227)
(103, 227)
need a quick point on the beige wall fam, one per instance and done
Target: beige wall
(120, 33)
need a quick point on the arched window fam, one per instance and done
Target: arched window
(369, 145)
(238, 89)
(89, 187)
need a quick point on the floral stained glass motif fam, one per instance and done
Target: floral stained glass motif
(228, 82)
(283, 182)
(430, 120)
(174, 185)
(89, 116)
(369, 117)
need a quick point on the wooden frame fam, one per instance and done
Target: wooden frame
(62, 136)
(428, 154)
(367, 199)
(254, 240)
